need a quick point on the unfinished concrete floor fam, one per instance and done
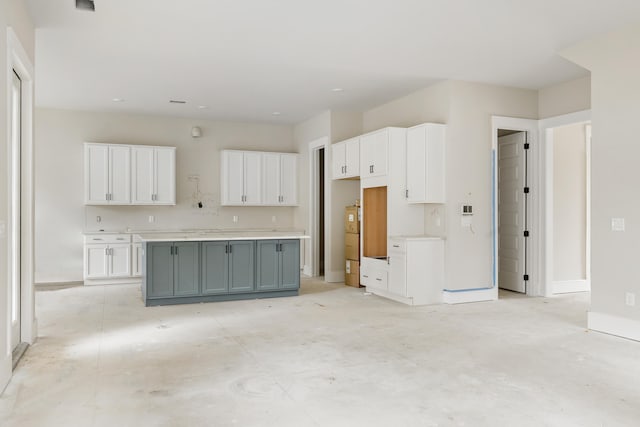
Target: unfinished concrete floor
(330, 357)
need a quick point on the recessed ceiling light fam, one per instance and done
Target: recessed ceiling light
(202, 107)
(118, 100)
(337, 89)
(276, 113)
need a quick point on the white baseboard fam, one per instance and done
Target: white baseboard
(478, 295)
(306, 270)
(124, 281)
(43, 279)
(334, 276)
(567, 286)
(6, 368)
(614, 325)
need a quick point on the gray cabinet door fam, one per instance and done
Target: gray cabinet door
(159, 269)
(214, 268)
(289, 264)
(241, 266)
(186, 275)
(268, 265)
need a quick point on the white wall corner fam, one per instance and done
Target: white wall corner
(567, 286)
(614, 325)
(334, 276)
(6, 368)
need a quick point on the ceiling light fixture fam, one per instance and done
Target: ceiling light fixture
(118, 100)
(276, 113)
(175, 101)
(337, 89)
(202, 107)
(85, 5)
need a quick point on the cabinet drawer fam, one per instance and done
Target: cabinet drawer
(107, 238)
(398, 245)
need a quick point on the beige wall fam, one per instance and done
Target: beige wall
(60, 212)
(564, 98)
(569, 203)
(615, 66)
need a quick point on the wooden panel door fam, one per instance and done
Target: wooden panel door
(268, 265)
(186, 273)
(374, 222)
(289, 264)
(214, 268)
(159, 269)
(241, 266)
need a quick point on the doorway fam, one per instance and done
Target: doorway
(15, 229)
(320, 212)
(513, 192)
(319, 205)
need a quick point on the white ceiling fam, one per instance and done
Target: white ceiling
(245, 59)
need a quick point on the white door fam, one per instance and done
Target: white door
(252, 178)
(119, 260)
(416, 167)
(511, 212)
(142, 175)
(288, 179)
(352, 157)
(338, 157)
(136, 259)
(271, 179)
(233, 177)
(120, 174)
(366, 149)
(96, 174)
(165, 176)
(379, 154)
(96, 261)
(15, 99)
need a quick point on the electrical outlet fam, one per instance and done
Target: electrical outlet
(152, 218)
(630, 299)
(98, 218)
(235, 218)
(617, 224)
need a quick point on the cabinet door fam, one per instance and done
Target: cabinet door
(159, 269)
(398, 274)
(288, 179)
(352, 158)
(186, 276)
(165, 176)
(271, 179)
(214, 268)
(289, 264)
(378, 156)
(241, 266)
(252, 178)
(367, 147)
(232, 177)
(142, 175)
(96, 173)
(338, 160)
(268, 265)
(136, 259)
(416, 167)
(435, 161)
(119, 260)
(120, 174)
(95, 261)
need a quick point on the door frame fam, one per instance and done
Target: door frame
(18, 60)
(534, 286)
(546, 133)
(311, 253)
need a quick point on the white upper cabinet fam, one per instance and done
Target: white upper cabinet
(154, 175)
(258, 178)
(240, 178)
(107, 174)
(345, 159)
(425, 163)
(373, 154)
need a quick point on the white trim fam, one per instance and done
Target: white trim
(614, 325)
(534, 253)
(478, 295)
(6, 366)
(311, 265)
(546, 171)
(18, 59)
(568, 286)
(588, 206)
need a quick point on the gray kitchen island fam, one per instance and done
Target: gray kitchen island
(192, 267)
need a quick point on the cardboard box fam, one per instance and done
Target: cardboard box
(352, 219)
(352, 273)
(352, 246)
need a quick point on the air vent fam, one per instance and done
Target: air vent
(175, 101)
(85, 5)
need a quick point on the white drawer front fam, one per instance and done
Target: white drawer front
(107, 238)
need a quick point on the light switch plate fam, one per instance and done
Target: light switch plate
(630, 299)
(617, 224)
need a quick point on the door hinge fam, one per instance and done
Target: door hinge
(526, 233)
(526, 277)
(526, 145)
(526, 190)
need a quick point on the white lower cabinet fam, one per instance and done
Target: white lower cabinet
(416, 270)
(373, 273)
(136, 259)
(109, 256)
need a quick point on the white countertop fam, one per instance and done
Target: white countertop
(207, 235)
(416, 237)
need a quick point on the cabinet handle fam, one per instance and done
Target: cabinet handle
(378, 279)
(171, 249)
(106, 251)
(396, 246)
(406, 194)
(226, 249)
(370, 168)
(365, 276)
(230, 249)
(176, 251)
